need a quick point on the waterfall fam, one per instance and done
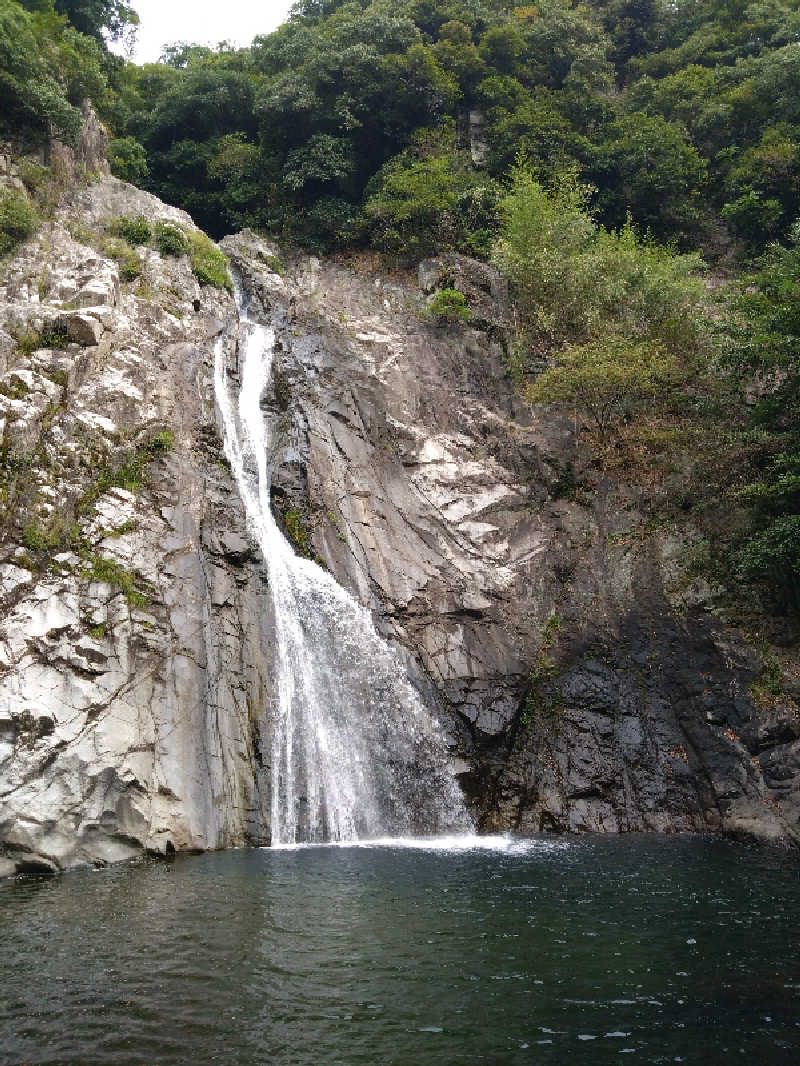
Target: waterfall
(355, 753)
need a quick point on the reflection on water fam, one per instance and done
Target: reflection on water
(496, 951)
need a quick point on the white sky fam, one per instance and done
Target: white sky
(202, 22)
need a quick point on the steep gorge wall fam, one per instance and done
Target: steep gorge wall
(587, 680)
(584, 679)
(134, 621)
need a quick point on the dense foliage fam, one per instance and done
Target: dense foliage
(349, 122)
(53, 55)
(17, 219)
(591, 151)
(766, 351)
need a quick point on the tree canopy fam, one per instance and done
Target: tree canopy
(594, 152)
(683, 116)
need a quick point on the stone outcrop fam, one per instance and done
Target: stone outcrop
(87, 159)
(580, 668)
(589, 682)
(134, 637)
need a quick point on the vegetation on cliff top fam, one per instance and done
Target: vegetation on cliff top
(349, 122)
(53, 56)
(616, 143)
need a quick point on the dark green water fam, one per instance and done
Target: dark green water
(590, 951)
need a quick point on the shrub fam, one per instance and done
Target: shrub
(109, 571)
(272, 263)
(448, 307)
(607, 379)
(30, 340)
(14, 388)
(765, 336)
(328, 223)
(170, 239)
(159, 443)
(209, 264)
(52, 536)
(753, 216)
(33, 175)
(772, 556)
(54, 337)
(128, 160)
(130, 265)
(135, 231)
(418, 206)
(574, 280)
(130, 473)
(18, 219)
(297, 532)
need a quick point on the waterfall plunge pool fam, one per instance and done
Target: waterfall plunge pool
(500, 951)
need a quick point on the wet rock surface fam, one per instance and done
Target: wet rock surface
(582, 674)
(587, 682)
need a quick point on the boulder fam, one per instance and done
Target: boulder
(82, 328)
(429, 273)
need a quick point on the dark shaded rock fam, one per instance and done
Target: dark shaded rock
(443, 505)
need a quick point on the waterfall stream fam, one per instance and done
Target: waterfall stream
(355, 753)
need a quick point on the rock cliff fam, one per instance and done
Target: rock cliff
(584, 680)
(134, 649)
(577, 658)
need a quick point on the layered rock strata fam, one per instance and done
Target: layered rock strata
(134, 636)
(579, 666)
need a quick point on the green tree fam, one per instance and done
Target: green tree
(422, 203)
(649, 169)
(99, 18)
(34, 96)
(128, 160)
(764, 340)
(574, 281)
(608, 379)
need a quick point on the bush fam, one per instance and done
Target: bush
(18, 219)
(135, 231)
(130, 265)
(574, 280)
(110, 572)
(128, 160)
(419, 206)
(772, 556)
(45, 185)
(272, 263)
(170, 239)
(33, 175)
(297, 532)
(607, 379)
(209, 264)
(765, 336)
(130, 472)
(753, 217)
(328, 223)
(448, 307)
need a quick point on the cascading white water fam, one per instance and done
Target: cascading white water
(355, 754)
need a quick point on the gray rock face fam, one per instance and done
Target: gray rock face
(82, 328)
(134, 619)
(583, 676)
